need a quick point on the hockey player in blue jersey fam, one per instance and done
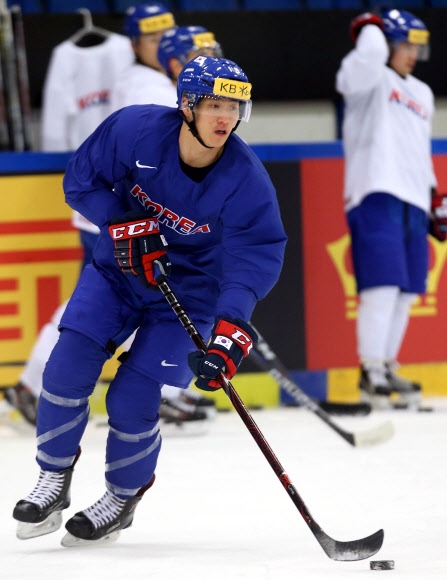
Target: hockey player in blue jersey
(174, 191)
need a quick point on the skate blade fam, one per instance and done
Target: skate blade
(377, 402)
(12, 421)
(26, 531)
(210, 412)
(406, 400)
(70, 541)
(418, 407)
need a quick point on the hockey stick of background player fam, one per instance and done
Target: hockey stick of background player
(336, 550)
(4, 134)
(5, 144)
(267, 359)
(22, 74)
(10, 85)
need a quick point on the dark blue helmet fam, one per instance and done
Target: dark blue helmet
(402, 26)
(181, 41)
(147, 19)
(214, 77)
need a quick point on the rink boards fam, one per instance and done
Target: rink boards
(308, 318)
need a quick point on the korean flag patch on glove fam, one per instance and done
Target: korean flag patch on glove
(231, 341)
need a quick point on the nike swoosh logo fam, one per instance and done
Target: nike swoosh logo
(166, 364)
(144, 166)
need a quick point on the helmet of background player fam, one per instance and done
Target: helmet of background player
(147, 19)
(186, 42)
(218, 78)
(402, 26)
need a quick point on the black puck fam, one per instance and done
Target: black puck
(381, 565)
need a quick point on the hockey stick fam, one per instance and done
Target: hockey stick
(4, 133)
(22, 74)
(352, 409)
(11, 89)
(267, 359)
(336, 550)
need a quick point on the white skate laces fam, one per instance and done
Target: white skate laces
(48, 488)
(376, 372)
(105, 510)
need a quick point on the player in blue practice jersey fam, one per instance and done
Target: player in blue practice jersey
(174, 191)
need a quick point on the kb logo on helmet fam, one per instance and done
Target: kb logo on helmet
(232, 89)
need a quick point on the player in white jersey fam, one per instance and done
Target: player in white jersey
(388, 181)
(145, 81)
(76, 98)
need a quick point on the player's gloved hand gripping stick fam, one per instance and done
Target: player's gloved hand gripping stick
(336, 550)
(231, 341)
(139, 246)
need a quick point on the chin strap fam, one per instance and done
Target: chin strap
(193, 129)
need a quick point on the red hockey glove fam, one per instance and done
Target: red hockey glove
(438, 216)
(231, 341)
(139, 245)
(362, 20)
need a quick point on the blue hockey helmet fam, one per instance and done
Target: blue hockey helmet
(402, 26)
(181, 41)
(147, 19)
(219, 78)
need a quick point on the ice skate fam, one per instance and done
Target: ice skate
(12, 421)
(374, 387)
(22, 399)
(40, 512)
(408, 392)
(102, 522)
(178, 418)
(177, 411)
(192, 397)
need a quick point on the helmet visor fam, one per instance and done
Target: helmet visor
(206, 41)
(239, 110)
(422, 51)
(157, 23)
(416, 39)
(420, 38)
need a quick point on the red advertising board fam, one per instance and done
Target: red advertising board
(329, 285)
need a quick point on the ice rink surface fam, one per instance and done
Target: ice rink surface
(218, 512)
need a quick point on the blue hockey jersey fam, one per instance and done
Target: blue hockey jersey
(225, 236)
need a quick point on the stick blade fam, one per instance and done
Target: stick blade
(350, 409)
(350, 551)
(374, 436)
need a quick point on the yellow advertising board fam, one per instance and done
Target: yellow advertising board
(40, 257)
